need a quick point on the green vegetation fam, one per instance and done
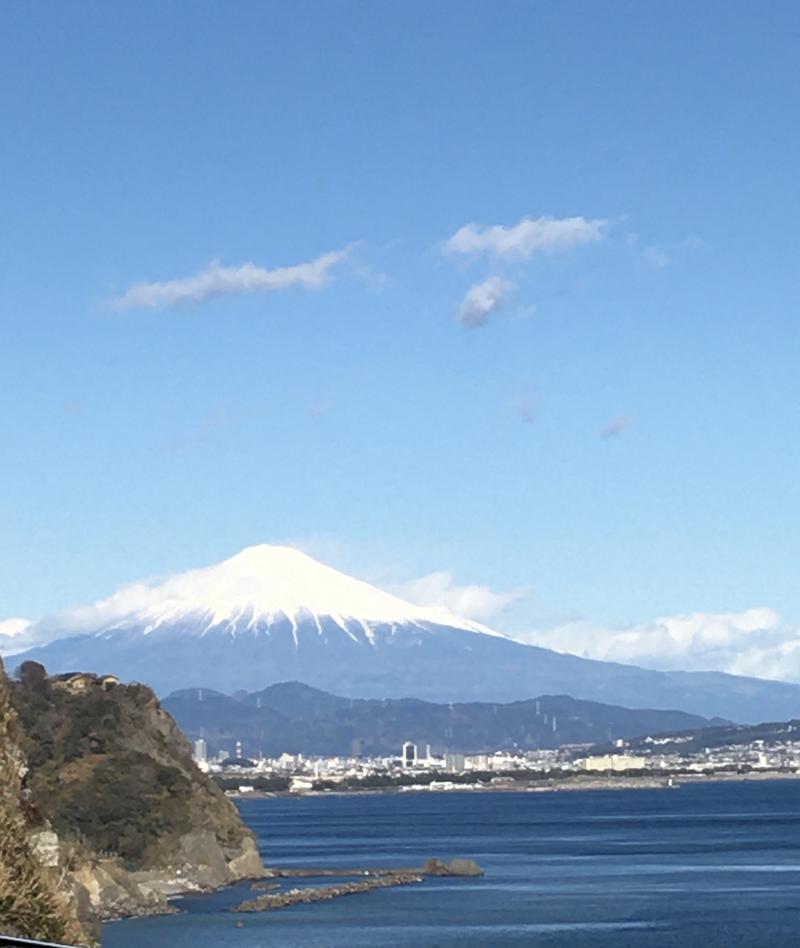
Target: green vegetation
(386, 780)
(123, 805)
(30, 904)
(110, 769)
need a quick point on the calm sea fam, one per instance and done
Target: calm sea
(711, 865)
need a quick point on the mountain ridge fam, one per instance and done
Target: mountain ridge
(292, 717)
(273, 614)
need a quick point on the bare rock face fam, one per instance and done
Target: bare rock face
(108, 891)
(46, 846)
(247, 864)
(200, 863)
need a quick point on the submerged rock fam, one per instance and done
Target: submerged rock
(456, 867)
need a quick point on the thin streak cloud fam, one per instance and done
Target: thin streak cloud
(217, 280)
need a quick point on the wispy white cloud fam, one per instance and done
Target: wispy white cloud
(655, 257)
(16, 635)
(373, 279)
(529, 236)
(217, 280)
(483, 299)
(659, 256)
(9, 628)
(616, 427)
(476, 602)
(753, 642)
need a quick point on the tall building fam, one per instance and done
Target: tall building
(200, 751)
(409, 755)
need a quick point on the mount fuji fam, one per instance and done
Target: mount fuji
(272, 614)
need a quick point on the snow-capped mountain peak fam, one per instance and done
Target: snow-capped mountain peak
(265, 581)
(253, 589)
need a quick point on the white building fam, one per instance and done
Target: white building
(455, 763)
(301, 783)
(613, 762)
(477, 762)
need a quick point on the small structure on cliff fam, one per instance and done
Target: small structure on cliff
(128, 817)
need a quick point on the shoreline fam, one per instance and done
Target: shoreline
(573, 784)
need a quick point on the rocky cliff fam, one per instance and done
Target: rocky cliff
(125, 816)
(35, 901)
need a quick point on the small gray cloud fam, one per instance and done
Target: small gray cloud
(203, 431)
(529, 236)
(317, 408)
(483, 299)
(655, 257)
(616, 427)
(527, 411)
(660, 256)
(217, 280)
(376, 280)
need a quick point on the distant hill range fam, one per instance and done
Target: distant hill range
(294, 718)
(272, 614)
(691, 741)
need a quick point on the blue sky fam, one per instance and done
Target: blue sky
(360, 418)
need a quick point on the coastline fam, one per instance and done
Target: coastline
(571, 784)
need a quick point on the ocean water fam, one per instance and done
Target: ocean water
(707, 865)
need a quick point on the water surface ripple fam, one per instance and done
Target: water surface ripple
(713, 865)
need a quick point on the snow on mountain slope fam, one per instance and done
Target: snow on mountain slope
(272, 614)
(259, 587)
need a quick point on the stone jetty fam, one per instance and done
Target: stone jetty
(278, 900)
(370, 879)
